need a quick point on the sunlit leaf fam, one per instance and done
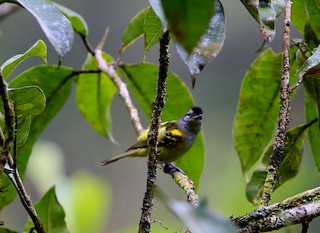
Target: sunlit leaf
(38, 49)
(51, 213)
(152, 29)
(200, 219)
(142, 80)
(78, 23)
(314, 139)
(188, 20)
(290, 162)
(134, 30)
(94, 94)
(55, 82)
(257, 109)
(54, 24)
(209, 45)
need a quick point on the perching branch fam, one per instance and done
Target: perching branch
(183, 181)
(158, 104)
(301, 208)
(10, 164)
(283, 121)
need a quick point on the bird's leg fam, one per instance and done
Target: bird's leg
(171, 168)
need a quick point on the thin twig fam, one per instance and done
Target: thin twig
(158, 104)
(122, 90)
(283, 121)
(87, 45)
(300, 208)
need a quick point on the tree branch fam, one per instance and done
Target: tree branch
(283, 121)
(301, 208)
(183, 181)
(158, 104)
(10, 166)
(122, 90)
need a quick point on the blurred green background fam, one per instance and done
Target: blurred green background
(69, 151)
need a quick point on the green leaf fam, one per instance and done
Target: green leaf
(298, 15)
(200, 219)
(152, 29)
(24, 124)
(78, 23)
(265, 13)
(54, 24)
(157, 8)
(94, 94)
(142, 79)
(312, 87)
(55, 82)
(311, 66)
(38, 49)
(314, 139)
(51, 214)
(257, 109)
(188, 20)
(290, 162)
(29, 100)
(209, 45)
(134, 30)
(94, 217)
(6, 230)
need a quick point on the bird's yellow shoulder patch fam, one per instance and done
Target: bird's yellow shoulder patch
(176, 132)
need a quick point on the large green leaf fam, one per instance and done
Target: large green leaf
(209, 45)
(134, 30)
(188, 20)
(55, 82)
(94, 94)
(78, 23)
(257, 109)
(38, 49)
(152, 29)
(142, 81)
(314, 139)
(51, 214)
(54, 24)
(145, 23)
(290, 162)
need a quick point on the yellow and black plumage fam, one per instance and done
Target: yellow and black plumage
(175, 138)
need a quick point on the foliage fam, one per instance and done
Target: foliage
(31, 99)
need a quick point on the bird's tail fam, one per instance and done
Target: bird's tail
(116, 158)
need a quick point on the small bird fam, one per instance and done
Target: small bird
(175, 138)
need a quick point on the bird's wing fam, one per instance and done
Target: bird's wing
(171, 134)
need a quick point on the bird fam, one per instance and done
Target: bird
(174, 139)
